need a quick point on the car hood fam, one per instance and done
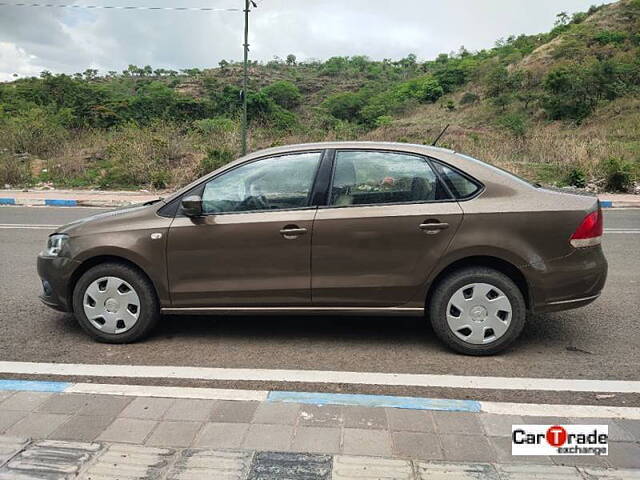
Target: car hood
(95, 222)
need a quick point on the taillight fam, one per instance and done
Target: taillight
(589, 233)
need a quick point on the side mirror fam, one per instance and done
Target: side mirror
(192, 206)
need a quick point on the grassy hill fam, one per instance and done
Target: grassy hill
(560, 107)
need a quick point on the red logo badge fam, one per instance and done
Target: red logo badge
(556, 436)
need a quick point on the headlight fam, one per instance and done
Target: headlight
(55, 244)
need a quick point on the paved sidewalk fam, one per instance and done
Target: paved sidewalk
(113, 436)
(101, 198)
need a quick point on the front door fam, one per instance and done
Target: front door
(388, 221)
(252, 246)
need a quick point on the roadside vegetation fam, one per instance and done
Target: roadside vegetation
(560, 108)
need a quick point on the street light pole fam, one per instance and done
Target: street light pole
(244, 77)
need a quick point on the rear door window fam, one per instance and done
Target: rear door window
(369, 178)
(460, 185)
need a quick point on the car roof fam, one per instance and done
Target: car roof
(398, 146)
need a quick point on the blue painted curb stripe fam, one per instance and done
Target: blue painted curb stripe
(61, 203)
(414, 403)
(606, 203)
(33, 386)
(7, 201)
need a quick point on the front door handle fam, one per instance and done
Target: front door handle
(292, 231)
(431, 228)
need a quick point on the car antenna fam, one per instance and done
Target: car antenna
(441, 134)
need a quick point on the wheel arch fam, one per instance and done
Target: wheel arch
(489, 261)
(91, 262)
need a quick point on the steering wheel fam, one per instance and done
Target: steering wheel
(255, 202)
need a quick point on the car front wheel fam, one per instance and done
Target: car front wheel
(477, 311)
(115, 303)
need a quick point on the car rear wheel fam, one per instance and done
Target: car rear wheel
(477, 311)
(115, 303)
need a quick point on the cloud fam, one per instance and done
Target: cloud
(71, 40)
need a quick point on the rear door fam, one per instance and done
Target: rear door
(387, 222)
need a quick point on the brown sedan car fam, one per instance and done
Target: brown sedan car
(336, 228)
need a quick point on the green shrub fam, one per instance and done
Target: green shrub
(618, 174)
(516, 123)
(576, 178)
(384, 120)
(606, 37)
(14, 170)
(469, 98)
(214, 126)
(284, 93)
(344, 106)
(450, 105)
(216, 158)
(424, 89)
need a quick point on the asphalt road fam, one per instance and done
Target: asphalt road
(599, 341)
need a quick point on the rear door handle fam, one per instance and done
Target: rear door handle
(433, 228)
(292, 231)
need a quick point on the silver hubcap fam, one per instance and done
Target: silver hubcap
(479, 313)
(111, 305)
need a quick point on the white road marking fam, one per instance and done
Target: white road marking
(9, 226)
(571, 411)
(322, 376)
(168, 392)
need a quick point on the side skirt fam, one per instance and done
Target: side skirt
(294, 311)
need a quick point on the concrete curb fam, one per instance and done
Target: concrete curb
(59, 202)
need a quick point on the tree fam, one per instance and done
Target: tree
(223, 64)
(291, 59)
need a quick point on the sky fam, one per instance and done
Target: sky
(65, 40)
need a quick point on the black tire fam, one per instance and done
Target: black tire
(149, 309)
(456, 280)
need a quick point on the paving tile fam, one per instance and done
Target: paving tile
(231, 411)
(410, 420)
(361, 441)
(129, 462)
(68, 403)
(416, 446)
(268, 437)
(592, 473)
(221, 435)
(174, 434)
(458, 422)
(272, 465)
(631, 426)
(370, 468)
(193, 410)
(147, 408)
(537, 472)
(49, 460)
(456, 471)
(499, 425)
(10, 417)
(25, 401)
(316, 440)
(4, 394)
(579, 460)
(320, 416)
(502, 446)
(36, 425)
(127, 430)
(616, 432)
(104, 406)
(365, 417)
(81, 428)
(283, 413)
(467, 448)
(211, 464)
(624, 455)
(528, 420)
(10, 446)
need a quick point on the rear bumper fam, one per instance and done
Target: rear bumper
(567, 282)
(55, 274)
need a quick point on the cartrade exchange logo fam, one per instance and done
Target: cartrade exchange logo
(560, 440)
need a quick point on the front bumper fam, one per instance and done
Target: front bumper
(55, 274)
(568, 282)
